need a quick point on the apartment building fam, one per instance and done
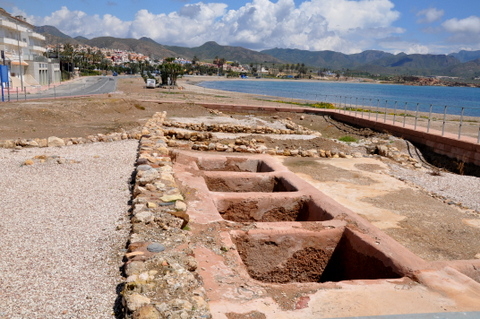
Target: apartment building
(23, 54)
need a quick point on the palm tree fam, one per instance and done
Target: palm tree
(170, 71)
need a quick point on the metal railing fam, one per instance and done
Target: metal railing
(443, 117)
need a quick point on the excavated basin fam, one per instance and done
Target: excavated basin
(270, 208)
(234, 164)
(306, 256)
(251, 183)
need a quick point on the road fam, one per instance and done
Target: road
(83, 86)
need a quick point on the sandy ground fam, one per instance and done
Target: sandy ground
(428, 226)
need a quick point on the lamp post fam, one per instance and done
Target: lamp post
(19, 56)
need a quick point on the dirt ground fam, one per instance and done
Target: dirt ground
(427, 226)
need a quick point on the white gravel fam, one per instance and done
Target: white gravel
(60, 250)
(456, 188)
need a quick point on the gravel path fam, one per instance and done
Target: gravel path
(457, 188)
(60, 249)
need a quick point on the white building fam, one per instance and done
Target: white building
(23, 53)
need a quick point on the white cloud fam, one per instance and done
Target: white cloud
(464, 31)
(342, 25)
(430, 15)
(468, 25)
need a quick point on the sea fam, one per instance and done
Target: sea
(437, 99)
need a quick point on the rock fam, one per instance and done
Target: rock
(54, 141)
(151, 205)
(357, 155)
(171, 198)
(190, 263)
(148, 176)
(142, 161)
(147, 312)
(136, 301)
(180, 304)
(382, 150)
(155, 248)
(134, 268)
(221, 147)
(28, 162)
(144, 217)
(144, 167)
(180, 205)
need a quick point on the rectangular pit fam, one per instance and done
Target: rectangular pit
(270, 208)
(240, 183)
(234, 164)
(304, 256)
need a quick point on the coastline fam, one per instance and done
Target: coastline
(349, 80)
(469, 126)
(196, 81)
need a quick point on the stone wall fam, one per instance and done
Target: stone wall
(161, 271)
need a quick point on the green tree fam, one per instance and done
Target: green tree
(170, 71)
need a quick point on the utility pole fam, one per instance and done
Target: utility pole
(20, 67)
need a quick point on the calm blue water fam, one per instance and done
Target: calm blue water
(377, 95)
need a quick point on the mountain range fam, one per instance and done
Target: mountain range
(464, 64)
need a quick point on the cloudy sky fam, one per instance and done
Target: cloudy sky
(348, 26)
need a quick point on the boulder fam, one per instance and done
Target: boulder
(54, 141)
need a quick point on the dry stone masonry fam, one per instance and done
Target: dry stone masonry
(162, 281)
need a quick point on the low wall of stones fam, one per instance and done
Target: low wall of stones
(162, 281)
(465, 150)
(54, 141)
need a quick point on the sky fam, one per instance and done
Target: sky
(348, 26)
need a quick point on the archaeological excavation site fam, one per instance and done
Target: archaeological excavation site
(230, 231)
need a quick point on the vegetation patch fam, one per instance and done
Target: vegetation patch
(319, 105)
(347, 139)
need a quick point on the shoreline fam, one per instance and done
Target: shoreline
(197, 88)
(352, 80)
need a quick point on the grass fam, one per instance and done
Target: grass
(347, 139)
(320, 105)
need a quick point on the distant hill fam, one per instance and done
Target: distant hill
(379, 62)
(81, 38)
(327, 59)
(413, 64)
(51, 30)
(470, 69)
(211, 49)
(53, 36)
(466, 56)
(144, 45)
(462, 64)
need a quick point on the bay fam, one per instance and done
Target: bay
(402, 97)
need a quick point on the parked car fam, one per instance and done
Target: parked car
(151, 83)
